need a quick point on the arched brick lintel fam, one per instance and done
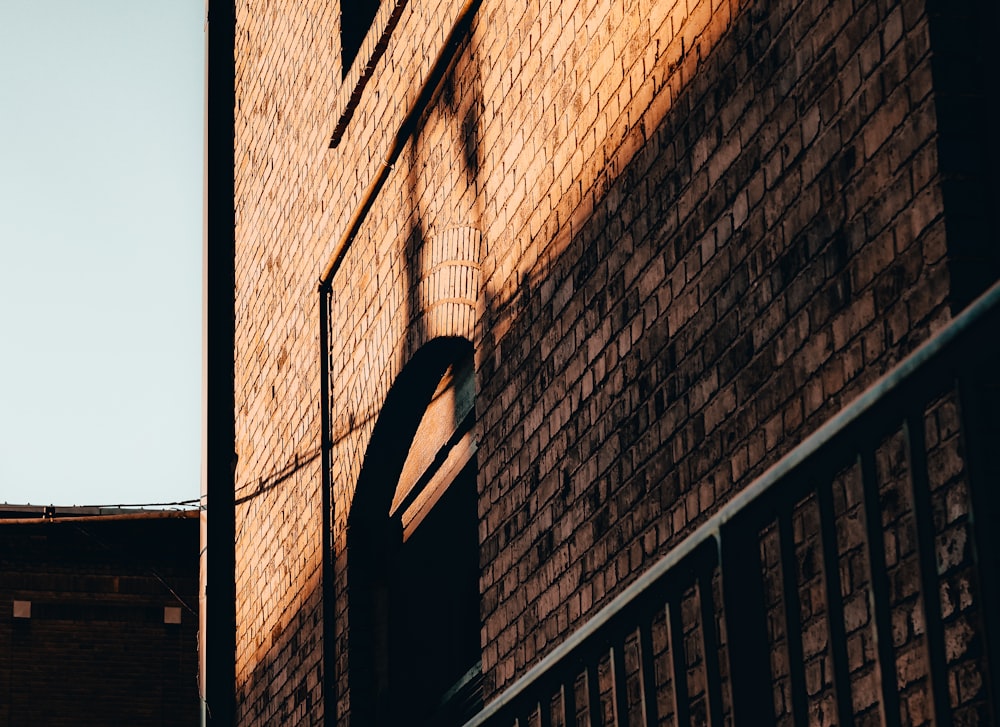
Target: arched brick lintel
(446, 293)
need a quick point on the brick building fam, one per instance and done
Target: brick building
(534, 332)
(99, 621)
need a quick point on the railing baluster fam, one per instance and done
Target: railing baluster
(619, 680)
(746, 626)
(835, 605)
(675, 635)
(927, 555)
(793, 616)
(648, 667)
(711, 647)
(877, 577)
(979, 403)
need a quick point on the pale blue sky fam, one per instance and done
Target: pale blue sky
(100, 250)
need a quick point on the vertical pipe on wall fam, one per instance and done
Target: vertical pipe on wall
(326, 444)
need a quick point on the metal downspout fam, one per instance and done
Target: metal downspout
(326, 453)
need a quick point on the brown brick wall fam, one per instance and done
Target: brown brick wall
(279, 148)
(96, 649)
(679, 236)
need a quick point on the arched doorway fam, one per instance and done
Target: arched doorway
(413, 550)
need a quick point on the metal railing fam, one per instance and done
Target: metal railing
(818, 592)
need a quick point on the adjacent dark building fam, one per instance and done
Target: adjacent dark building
(98, 617)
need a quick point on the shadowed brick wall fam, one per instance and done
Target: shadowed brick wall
(680, 237)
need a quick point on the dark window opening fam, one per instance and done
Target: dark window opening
(356, 17)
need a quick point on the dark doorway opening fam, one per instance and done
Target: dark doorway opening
(413, 551)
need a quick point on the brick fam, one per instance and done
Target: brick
(98, 619)
(678, 238)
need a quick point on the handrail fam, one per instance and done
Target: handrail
(983, 312)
